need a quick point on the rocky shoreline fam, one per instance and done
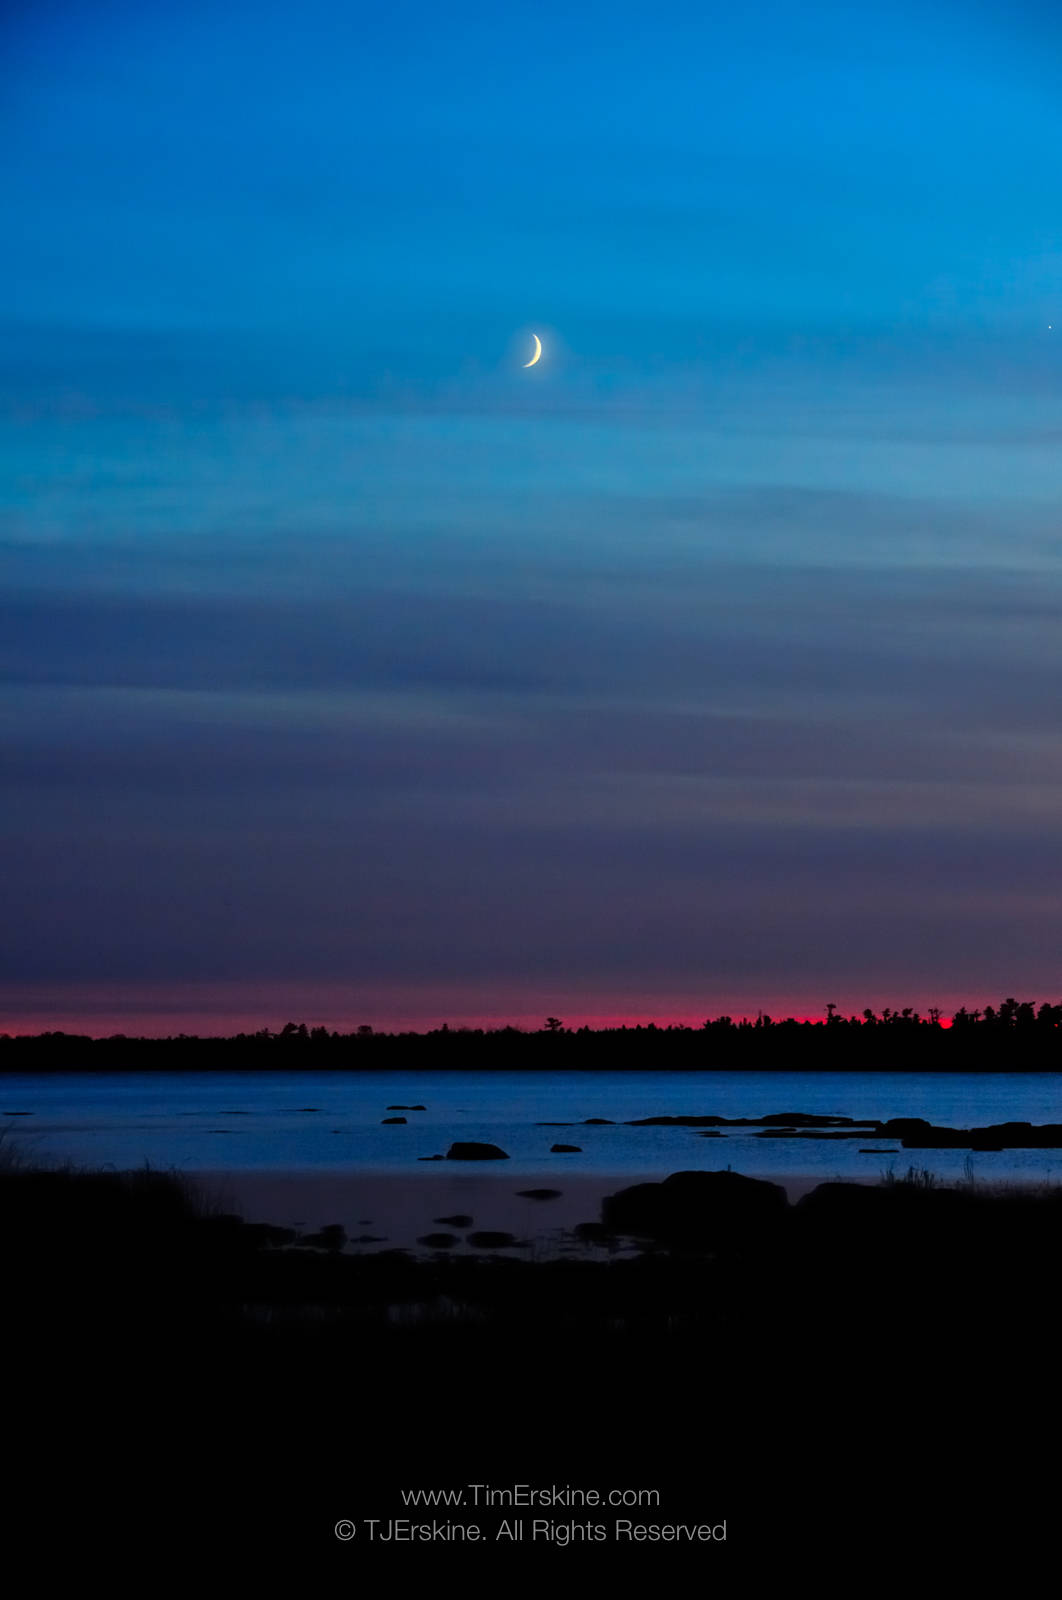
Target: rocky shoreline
(912, 1133)
(259, 1378)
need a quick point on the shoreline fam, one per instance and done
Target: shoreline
(379, 1209)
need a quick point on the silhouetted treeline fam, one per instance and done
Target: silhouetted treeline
(1016, 1036)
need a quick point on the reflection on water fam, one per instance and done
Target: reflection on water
(260, 1122)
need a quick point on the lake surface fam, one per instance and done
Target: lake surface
(332, 1122)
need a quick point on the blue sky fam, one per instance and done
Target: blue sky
(350, 670)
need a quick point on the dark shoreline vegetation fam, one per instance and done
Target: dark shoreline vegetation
(809, 1372)
(1015, 1036)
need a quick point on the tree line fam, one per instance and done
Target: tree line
(1013, 1036)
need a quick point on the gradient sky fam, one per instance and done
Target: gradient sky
(351, 673)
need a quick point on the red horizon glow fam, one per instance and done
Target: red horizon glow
(224, 1010)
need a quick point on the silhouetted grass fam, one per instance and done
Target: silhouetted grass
(913, 1178)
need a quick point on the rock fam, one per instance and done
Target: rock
(431, 1158)
(997, 1136)
(804, 1119)
(696, 1207)
(264, 1233)
(439, 1241)
(371, 1238)
(331, 1237)
(539, 1194)
(469, 1150)
(458, 1221)
(818, 1133)
(236, 1234)
(815, 1133)
(786, 1119)
(489, 1240)
(407, 1108)
(598, 1122)
(592, 1232)
(838, 1196)
(709, 1133)
(308, 1108)
(386, 1120)
(565, 1149)
(928, 1137)
(675, 1122)
(554, 1124)
(877, 1152)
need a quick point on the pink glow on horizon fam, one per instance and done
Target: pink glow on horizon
(223, 1009)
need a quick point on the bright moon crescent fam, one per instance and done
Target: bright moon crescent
(538, 351)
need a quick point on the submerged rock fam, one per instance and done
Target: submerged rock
(492, 1240)
(539, 1194)
(439, 1241)
(565, 1149)
(386, 1120)
(457, 1221)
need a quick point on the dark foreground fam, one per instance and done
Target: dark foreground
(865, 1376)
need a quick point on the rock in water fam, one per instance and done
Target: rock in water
(702, 1208)
(469, 1150)
(333, 1236)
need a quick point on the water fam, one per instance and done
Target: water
(263, 1122)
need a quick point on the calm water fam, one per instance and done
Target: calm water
(251, 1122)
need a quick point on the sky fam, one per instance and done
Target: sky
(352, 672)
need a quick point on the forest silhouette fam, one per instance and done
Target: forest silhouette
(1015, 1036)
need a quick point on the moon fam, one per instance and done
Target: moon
(538, 351)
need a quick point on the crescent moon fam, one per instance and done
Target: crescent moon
(538, 351)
